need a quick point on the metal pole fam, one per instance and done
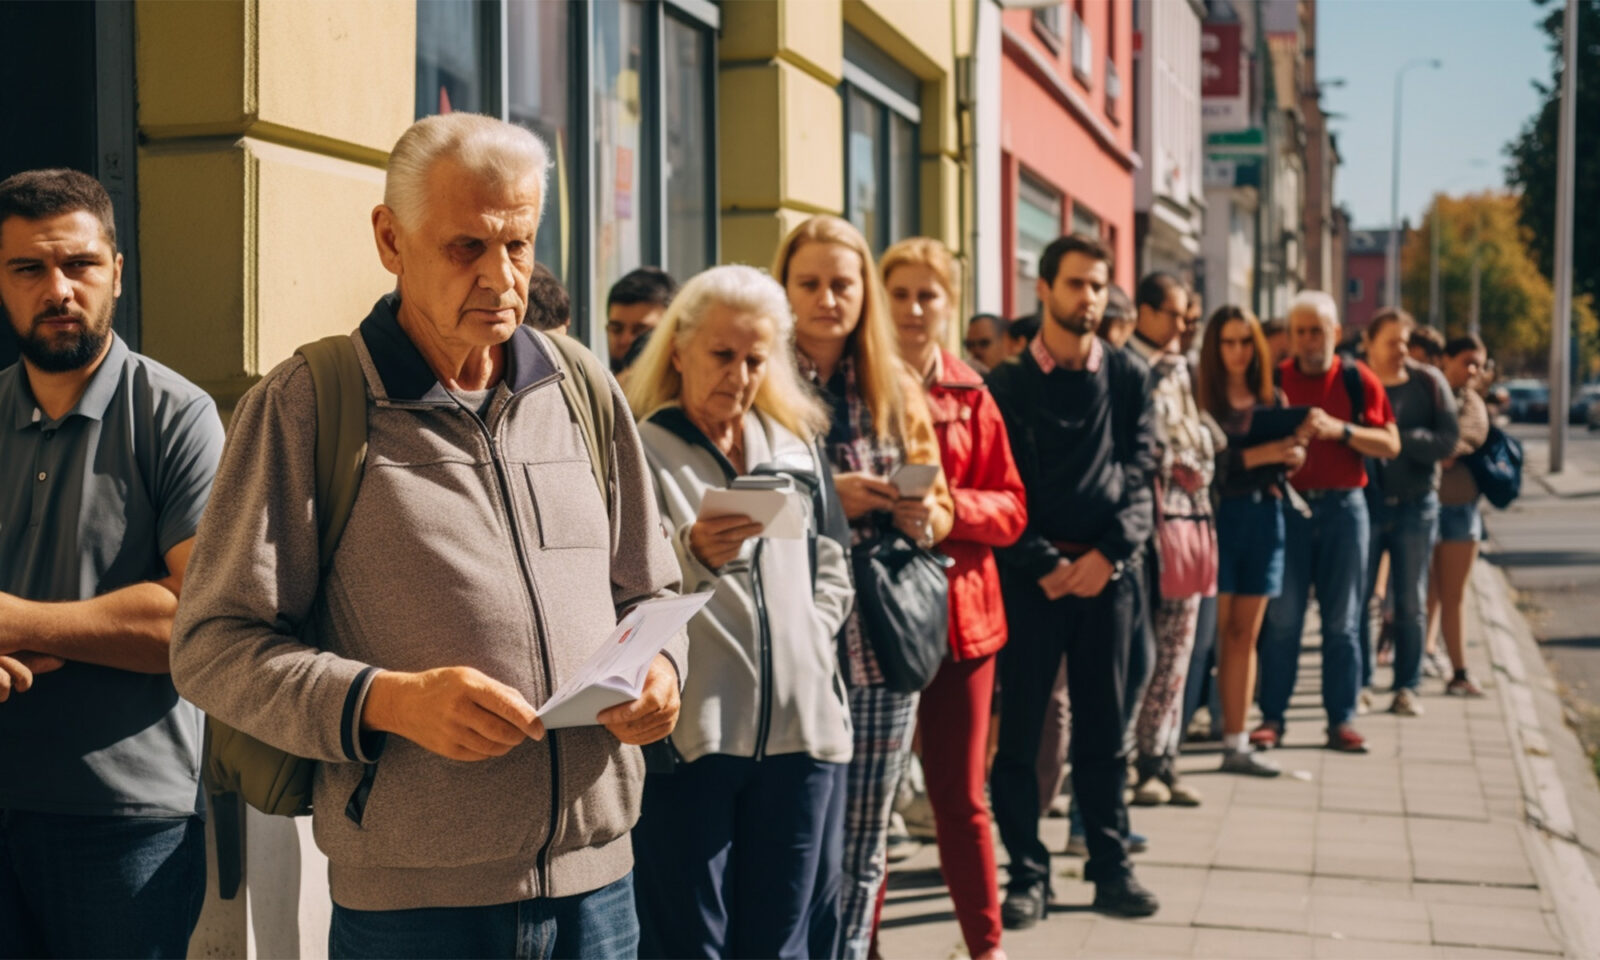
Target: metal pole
(1472, 324)
(1561, 322)
(1394, 188)
(1433, 271)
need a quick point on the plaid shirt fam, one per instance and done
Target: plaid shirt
(854, 447)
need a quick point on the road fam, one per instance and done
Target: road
(1548, 543)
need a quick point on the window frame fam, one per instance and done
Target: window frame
(584, 286)
(872, 76)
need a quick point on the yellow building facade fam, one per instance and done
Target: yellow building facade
(264, 128)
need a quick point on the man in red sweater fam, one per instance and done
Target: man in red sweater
(1349, 419)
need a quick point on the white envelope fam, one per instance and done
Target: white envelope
(781, 513)
(615, 673)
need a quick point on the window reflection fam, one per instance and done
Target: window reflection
(689, 144)
(540, 82)
(618, 118)
(862, 152)
(1038, 223)
(450, 62)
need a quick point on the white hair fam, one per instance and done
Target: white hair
(653, 383)
(492, 149)
(1317, 302)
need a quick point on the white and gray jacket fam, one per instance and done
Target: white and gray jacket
(763, 676)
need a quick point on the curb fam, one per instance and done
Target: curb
(1552, 834)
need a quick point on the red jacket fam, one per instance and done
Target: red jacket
(991, 509)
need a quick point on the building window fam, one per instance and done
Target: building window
(1355, 288)
(882, 116)
(1038, 223)
(1085, 221)
(623, 93)
(1050, 25)
(1082, 48)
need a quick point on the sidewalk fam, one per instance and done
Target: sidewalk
(1444, 841)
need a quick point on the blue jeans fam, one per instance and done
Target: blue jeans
(597, 924)
(89, 886)
(726, 854)
(1407, 531)
(1328, 551)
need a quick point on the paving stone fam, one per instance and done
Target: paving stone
(1133, 939)
(1509, 928)
(1057, 937)
(1250, 943)
(1460, 851)
(1346, 949)
(1468, 894)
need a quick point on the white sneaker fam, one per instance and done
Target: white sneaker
(1405, 704)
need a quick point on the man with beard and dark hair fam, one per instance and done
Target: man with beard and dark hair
(1081, 424)
(109, 459)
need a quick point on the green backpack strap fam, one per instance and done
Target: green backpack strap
(238, 766)
(587, 389)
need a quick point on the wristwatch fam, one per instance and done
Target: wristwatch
(1345, 437)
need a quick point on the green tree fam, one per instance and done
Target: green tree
(1515, 299)
(1531, 171)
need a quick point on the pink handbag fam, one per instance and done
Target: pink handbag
(1186, 547)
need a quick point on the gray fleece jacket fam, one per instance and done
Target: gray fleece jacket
(473, 542)
(763, 667)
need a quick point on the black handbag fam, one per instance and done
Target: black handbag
(903, 596)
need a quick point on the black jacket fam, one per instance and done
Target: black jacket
(1109, 506)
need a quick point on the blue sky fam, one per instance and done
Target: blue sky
(1467, 110)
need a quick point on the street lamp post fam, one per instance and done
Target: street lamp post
(1561, 322)
(1394, 183)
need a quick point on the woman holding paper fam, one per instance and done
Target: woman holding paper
(729, 840)
(880, 422)
(1235, 379)
(990, 511)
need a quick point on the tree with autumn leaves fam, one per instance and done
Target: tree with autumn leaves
(1515, 299)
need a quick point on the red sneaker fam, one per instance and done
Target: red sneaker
(1266, 736)
(1344, 739)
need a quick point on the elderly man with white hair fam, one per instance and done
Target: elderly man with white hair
(485, 557)
(1350, 418)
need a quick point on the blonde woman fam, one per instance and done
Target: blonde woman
(730, 836)
(878, 421)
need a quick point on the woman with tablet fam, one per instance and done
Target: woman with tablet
(879, 421)
(1252, 480)
(738, 803)
(990, 511)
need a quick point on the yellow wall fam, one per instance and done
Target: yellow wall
(781, 147)
(266, 125)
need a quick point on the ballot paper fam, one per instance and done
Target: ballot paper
(781, 513)
(616, 672)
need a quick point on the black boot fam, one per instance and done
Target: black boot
(1024, 905)
(1124, 897)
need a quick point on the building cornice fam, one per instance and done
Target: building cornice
(1042, 71)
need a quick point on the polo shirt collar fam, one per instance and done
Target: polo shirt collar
(1047, 363)
(97, 396)
(406, 375)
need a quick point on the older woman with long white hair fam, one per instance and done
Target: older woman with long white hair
(730, 841)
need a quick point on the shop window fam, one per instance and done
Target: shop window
(623, 93)
(1038, 224)
(883, 116)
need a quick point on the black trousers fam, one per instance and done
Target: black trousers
(1094, 634)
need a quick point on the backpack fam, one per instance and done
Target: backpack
(1497, 467)
(238, 766)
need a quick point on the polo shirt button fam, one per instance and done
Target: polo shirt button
(43, 476)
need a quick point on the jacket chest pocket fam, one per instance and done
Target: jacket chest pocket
(566, 507)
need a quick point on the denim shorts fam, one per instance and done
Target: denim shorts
(1460, 523)
(1250, 543)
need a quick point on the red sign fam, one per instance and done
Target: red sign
(1221, 67)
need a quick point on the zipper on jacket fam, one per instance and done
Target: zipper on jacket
(531, 594)
(764, 650)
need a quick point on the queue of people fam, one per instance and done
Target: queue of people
(414, 534)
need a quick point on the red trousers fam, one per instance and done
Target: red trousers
(953, 722)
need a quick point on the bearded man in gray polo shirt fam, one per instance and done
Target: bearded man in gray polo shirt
(107, 460)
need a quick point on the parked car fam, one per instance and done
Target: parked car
(1530, 401)
(1583, 400)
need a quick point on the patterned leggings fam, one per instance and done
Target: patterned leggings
(883, 721)
(1161, 713)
